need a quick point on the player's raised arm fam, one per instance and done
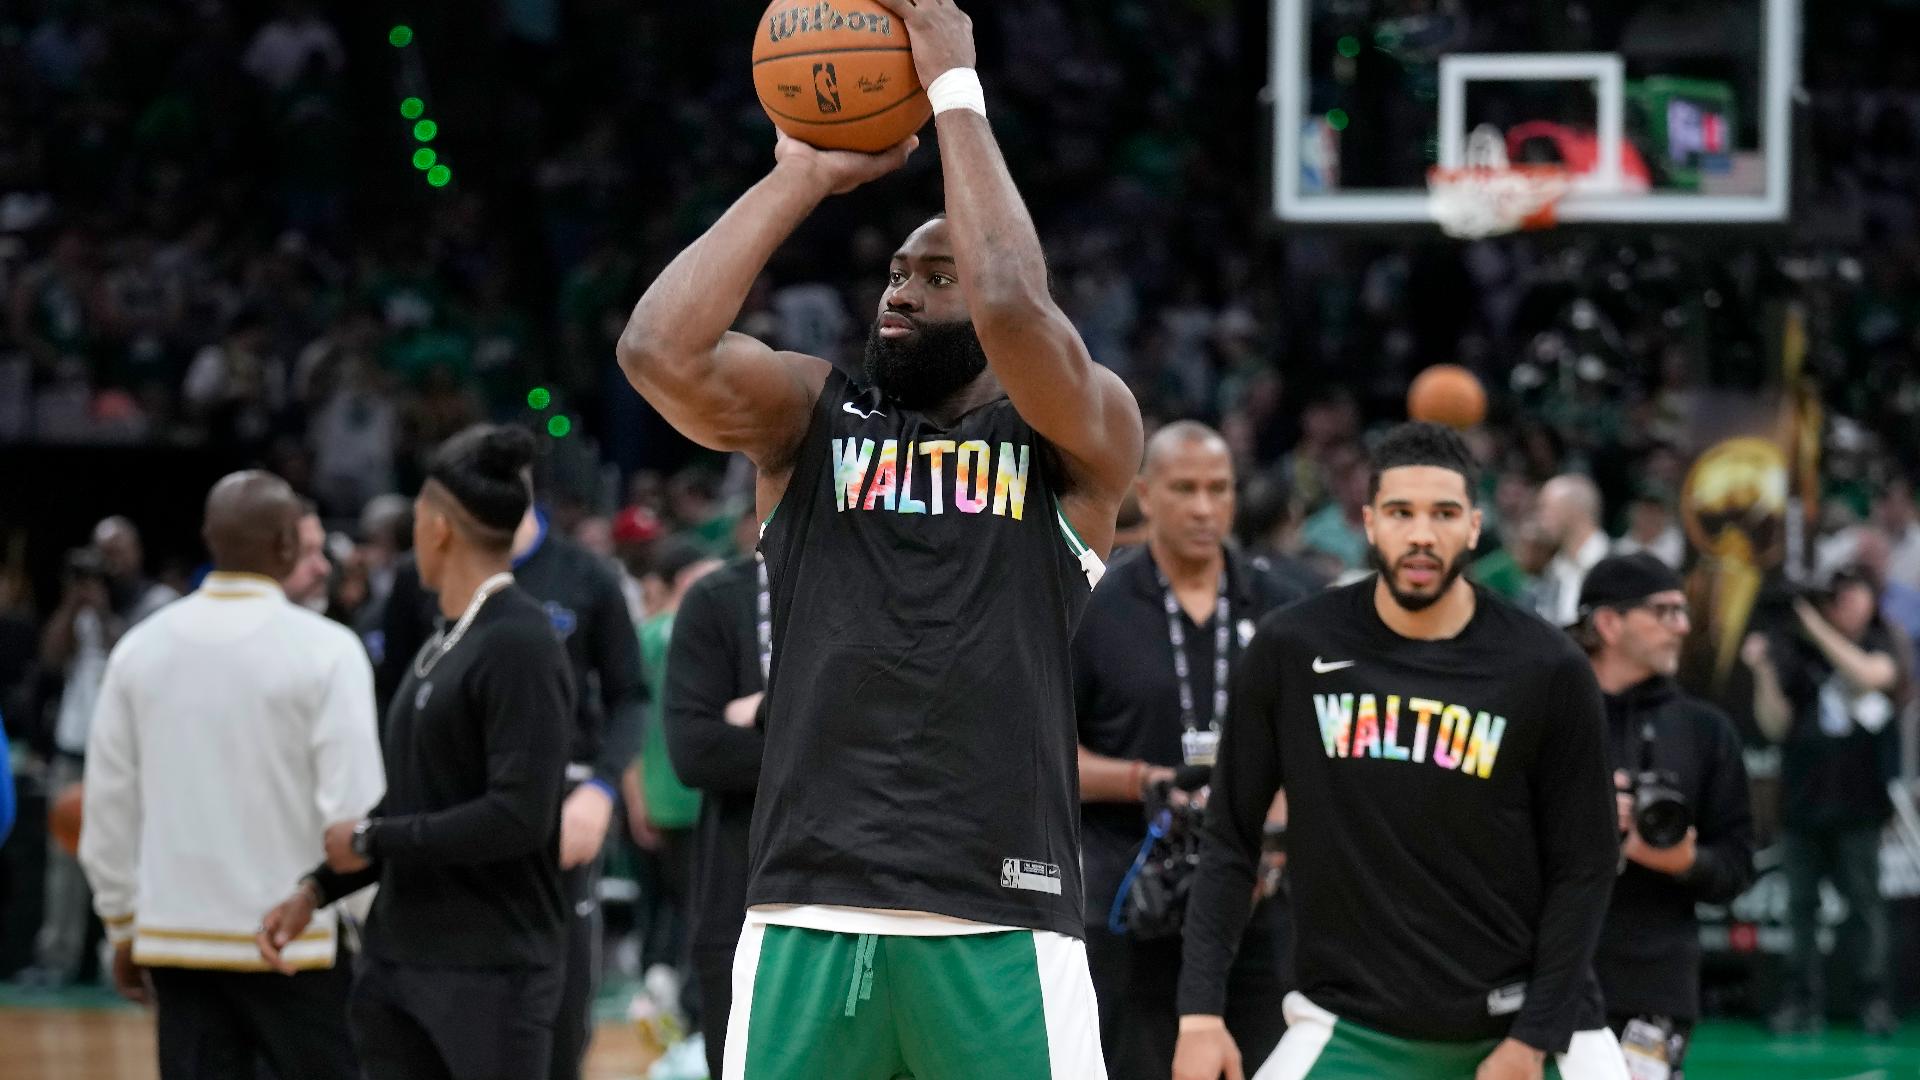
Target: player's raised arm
(724, 390)
(1083, 409)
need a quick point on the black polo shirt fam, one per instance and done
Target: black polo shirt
(1127, 697)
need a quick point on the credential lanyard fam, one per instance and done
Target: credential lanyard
(1199, 746)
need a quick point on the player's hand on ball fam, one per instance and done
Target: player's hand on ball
(1512, 1060)
(940, 33)
(840, 171)
(1205, 1051)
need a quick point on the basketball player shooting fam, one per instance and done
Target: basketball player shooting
(932, 532)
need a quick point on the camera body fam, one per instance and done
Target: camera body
(1661, 813)
(86, 565)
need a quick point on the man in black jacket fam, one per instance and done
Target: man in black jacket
(462, 967)
(716, 681)
(1633, 621)
(581, 596)
(1151, 663)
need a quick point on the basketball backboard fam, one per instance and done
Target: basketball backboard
(1666, 111)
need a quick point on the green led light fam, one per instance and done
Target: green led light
(1337, 119)
(400, 36)
(425, 130)
(559, 426)
(1349, 46)
(424, 158)
(412, 107)
(439, 176)
(539, 398)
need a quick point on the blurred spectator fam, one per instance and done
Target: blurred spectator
(307, 584)
(661, 811)
(1831, 693)
(1650, 528)
(1569, 510)
(291, 44)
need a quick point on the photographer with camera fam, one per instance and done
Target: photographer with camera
(1151, 664)
(1686, 817)
(1832, 695)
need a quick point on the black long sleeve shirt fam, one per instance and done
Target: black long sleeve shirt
(1649, 956)
(466, 846)
(714, 658)
(583, 602)
(1451, 841)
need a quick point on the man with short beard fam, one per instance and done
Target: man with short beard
(1633, 621)
(1451, 826)
(931, 536)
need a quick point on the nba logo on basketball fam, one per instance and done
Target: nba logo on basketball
(826, 88)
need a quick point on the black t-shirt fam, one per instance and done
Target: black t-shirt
(1127, 697)
(467, 844)
(1836, 760)
(714, 658)
(920, 736)
(1451, 838)
(583, 602)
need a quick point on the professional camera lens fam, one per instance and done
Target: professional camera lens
(1660, 812)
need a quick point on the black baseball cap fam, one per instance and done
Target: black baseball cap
(1624, 580)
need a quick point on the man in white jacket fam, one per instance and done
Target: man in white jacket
(232, 728)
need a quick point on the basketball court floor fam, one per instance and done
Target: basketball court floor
(88, 1036)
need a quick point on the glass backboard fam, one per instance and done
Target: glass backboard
(1662, 110)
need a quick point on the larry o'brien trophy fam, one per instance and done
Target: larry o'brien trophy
(1734, 505)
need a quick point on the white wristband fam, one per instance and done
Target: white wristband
(957, 88)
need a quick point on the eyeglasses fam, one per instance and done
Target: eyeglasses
(1666, 613)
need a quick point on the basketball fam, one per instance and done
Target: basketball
(1447, 394)
(838, 75)
(63, 819)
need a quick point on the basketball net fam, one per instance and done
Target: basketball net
(1487, 196)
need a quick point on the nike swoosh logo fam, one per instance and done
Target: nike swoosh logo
(1322, 667)
(847, 406)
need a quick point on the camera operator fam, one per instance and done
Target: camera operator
(1151, 664)
(1686, 815)
(1831, 695)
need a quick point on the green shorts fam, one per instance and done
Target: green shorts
(820, 1005)
(1321, 1046)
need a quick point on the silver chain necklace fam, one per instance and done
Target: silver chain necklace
(442, 642)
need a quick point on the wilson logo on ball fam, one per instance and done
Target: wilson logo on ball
(782, 25)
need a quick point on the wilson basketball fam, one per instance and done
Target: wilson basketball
(838, 74)
(63, 819)
(1447, 394)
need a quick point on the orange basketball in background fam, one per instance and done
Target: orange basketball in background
(1447, 394)
(63, 819)
(838, 74)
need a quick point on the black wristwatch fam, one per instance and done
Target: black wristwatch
(362, 843)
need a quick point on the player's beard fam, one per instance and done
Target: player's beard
(1450, 572)
(927, 366)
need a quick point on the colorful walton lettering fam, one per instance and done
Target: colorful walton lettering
(1461, 740)
(890, 486)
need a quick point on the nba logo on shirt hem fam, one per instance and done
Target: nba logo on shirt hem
(1029, 875)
